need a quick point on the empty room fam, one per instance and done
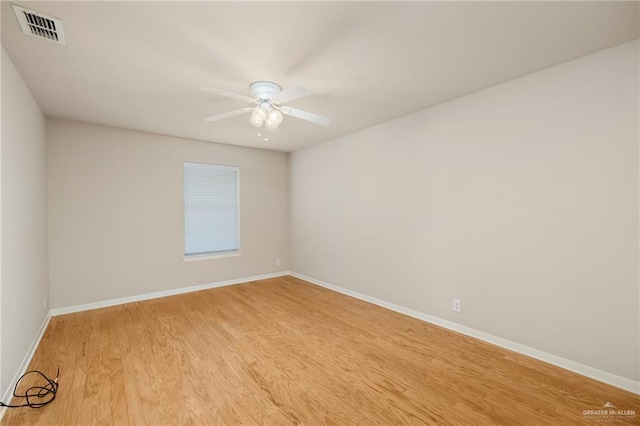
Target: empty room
(320, 213)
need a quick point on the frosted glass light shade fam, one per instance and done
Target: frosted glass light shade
(274, 117)
(257, 117)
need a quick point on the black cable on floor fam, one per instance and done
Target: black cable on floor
(44, 394)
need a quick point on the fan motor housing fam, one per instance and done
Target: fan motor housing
(264, 89)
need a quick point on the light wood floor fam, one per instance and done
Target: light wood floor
(282, 351)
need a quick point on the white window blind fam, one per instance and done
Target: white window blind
(210, 209)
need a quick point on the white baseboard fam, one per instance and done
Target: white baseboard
(8, 393)
(585, 370)
(158, 294)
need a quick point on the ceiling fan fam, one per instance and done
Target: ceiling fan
(268, 98)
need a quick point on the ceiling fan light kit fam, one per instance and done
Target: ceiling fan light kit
(268, 112)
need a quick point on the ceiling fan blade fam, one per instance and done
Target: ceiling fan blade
(227, 114)
(305, 115)
(228, 94)
(290, 94)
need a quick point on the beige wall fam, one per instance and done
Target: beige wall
(24, 282)
(116, 212)
(520, 200)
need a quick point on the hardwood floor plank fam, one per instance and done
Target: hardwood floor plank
(285, 352)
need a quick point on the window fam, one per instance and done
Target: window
(210, 210)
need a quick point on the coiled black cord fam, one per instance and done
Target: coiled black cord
(48, 392)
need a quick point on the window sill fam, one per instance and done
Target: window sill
(210, 256)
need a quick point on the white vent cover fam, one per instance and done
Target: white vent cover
(39, 25)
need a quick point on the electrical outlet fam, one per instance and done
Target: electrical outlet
(456, 305)
(44, 303)
(277, 262)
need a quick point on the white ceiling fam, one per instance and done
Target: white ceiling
(140, 65)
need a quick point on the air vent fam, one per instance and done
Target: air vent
(39, 25)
